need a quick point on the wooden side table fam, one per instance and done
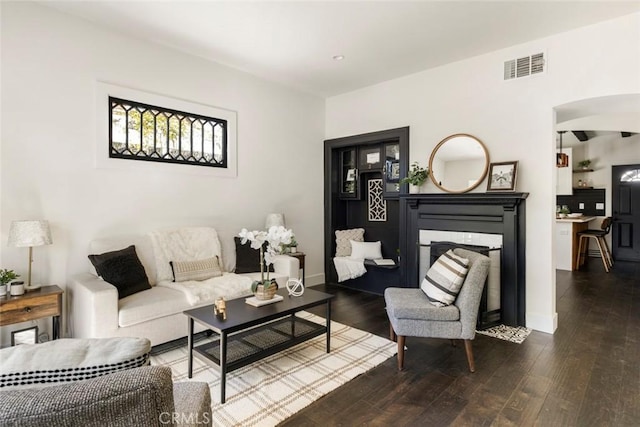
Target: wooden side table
(300, 256)
(43, 302)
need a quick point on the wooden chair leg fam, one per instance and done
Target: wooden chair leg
(469, 350)
(400, 352)
(605, 261)
(607, 251)
(579, 255)
(392, 333)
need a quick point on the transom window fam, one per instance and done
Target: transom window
(632, 175)
(146, 132)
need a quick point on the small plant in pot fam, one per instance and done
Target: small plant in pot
(584, 164)
(6, 276)
(275, 238)
(291, 247)
(416, 177)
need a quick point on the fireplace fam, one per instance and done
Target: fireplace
(494, 222)
(434, 243)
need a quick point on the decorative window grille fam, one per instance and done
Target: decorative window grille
(377, 206)
(146, 132)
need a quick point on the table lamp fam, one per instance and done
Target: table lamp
(29, 234)
(274, 219)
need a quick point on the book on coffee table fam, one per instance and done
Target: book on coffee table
(260, 302)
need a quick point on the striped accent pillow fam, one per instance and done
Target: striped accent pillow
(445, 278)
(45, 377)
(195, 270)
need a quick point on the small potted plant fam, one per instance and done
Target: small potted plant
(293, 246)
(563, 212)
(275, 238)
(416, 177)
(6, 276)
(584, 164)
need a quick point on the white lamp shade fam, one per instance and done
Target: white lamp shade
(274, 219)
(29, 233)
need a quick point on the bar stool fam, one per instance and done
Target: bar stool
(605, 253)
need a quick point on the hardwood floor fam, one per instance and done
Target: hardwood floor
(586, 374)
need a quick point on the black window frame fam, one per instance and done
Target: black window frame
(167, 157)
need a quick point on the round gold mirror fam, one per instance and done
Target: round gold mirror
(459, 163)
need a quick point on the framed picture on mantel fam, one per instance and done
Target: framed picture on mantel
(502, 176)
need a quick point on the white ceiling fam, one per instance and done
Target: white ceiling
(293, 42)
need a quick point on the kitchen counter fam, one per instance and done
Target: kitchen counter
(576, 220)
(567, 230)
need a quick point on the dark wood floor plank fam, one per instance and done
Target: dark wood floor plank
(629, 411)
(573, 378)
(585, 374)
(525, 403)
(482, 409)
(442, 412)
(399, 415)
(557, 412)
(359, 413)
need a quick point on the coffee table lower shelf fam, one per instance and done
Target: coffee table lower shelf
(249, 334)
(246, 347)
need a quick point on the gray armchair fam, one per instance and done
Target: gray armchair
(411, 314)
(143, 396)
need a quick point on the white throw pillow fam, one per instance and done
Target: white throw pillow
(366, 250)
(343, 238)
(445, 278)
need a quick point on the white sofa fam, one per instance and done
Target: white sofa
(156, 313)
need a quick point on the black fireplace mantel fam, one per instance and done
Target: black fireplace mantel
(506, 199)
(493, 213)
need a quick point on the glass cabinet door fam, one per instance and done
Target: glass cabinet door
(391, 170)
(349, 188)
(370, 158)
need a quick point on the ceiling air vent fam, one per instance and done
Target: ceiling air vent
(523, 67)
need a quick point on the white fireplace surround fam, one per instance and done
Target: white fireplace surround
(492, 241)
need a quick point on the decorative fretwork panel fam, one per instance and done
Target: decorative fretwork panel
(146, 132)
(377, 204)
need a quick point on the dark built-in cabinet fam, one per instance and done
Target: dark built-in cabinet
(349, 179)
(382, 158)
(362, 189)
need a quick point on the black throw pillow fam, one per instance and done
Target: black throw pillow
(247, 258)
(123, 270)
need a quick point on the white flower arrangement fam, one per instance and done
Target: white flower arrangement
(276, 237)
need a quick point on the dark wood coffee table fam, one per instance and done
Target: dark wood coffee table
(252, 333)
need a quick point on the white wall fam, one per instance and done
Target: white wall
(50, 65)
(515, 119)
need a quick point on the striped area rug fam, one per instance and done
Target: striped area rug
(269, 391)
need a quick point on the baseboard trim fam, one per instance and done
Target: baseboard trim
(542, 323)
(314, 279)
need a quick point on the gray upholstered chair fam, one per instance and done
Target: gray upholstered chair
(145, 396)
(412, 315)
